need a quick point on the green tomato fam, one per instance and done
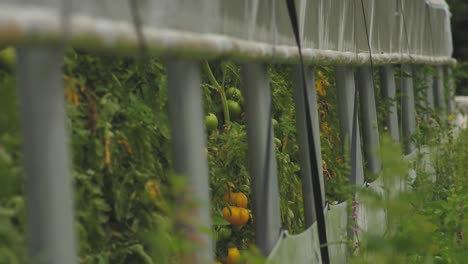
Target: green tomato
(211, 122)
(275, 123)
(234, 108)
(8, 57)
(277, 142)
(234, 94)
(224, 233)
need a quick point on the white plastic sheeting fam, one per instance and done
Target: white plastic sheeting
(304, 248)
(371, 220)
(332, 31)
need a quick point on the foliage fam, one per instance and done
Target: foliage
(427, 223)
(127, 199)
(122, 158)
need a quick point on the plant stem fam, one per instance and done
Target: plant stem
(220, 90)
(138, 249)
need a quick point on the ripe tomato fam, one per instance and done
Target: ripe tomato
(231, 214)
(233, 255)
(243, 216)
(236, 216)
(241, 200)
(152, 188)
(236, 198)
(230, 197)
(211, 122)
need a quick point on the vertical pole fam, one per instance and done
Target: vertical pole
(369, 119)
(429, 93)
(266, 205)
(188, 140)
(345, 93)
(305, 159)
(387, 78)
(49, 192)
(439, 94)
(408, 108)
(451, 90)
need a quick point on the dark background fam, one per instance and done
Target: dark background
(459, 9)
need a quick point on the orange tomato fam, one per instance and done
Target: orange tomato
(229, 197)
(231, 214)
(233, 255)
(237, 199)
(236, 216)
(152, 188)
(241, 200)
(243, 216)
(226, 214)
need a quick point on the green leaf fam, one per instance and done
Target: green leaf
(218, 220)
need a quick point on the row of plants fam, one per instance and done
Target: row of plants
(126, 196)
(426, 223)
(120, 140)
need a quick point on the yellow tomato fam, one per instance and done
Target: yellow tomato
(229, 197)
(241, 200)
(237, 199)
(243, 216)
(152, 188)
(233, 255)
(231, 214)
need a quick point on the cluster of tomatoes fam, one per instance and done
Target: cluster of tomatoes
(234, 101)
(237, 214)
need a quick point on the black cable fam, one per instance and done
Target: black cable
(368, 42)
(138, 25)
(406, 30)
(319, 205)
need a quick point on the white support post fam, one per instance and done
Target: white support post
(451, 90)
(47, 160)
(305, 159)
(408, 108)
(266, 203)
(345, 85)
(188, 140)
(370, 127)
(429, 93)
(387, 78)
(439, 92)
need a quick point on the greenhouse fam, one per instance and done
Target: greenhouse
(220, 131)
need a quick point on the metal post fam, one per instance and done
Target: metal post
(345, 93)
(387, 78)
(429, 93)
(305, 159)
(451, 90)
(439, 93)
(188, 140)
(370, 127)
(49, 192)
(266, 205)
(408, 118)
